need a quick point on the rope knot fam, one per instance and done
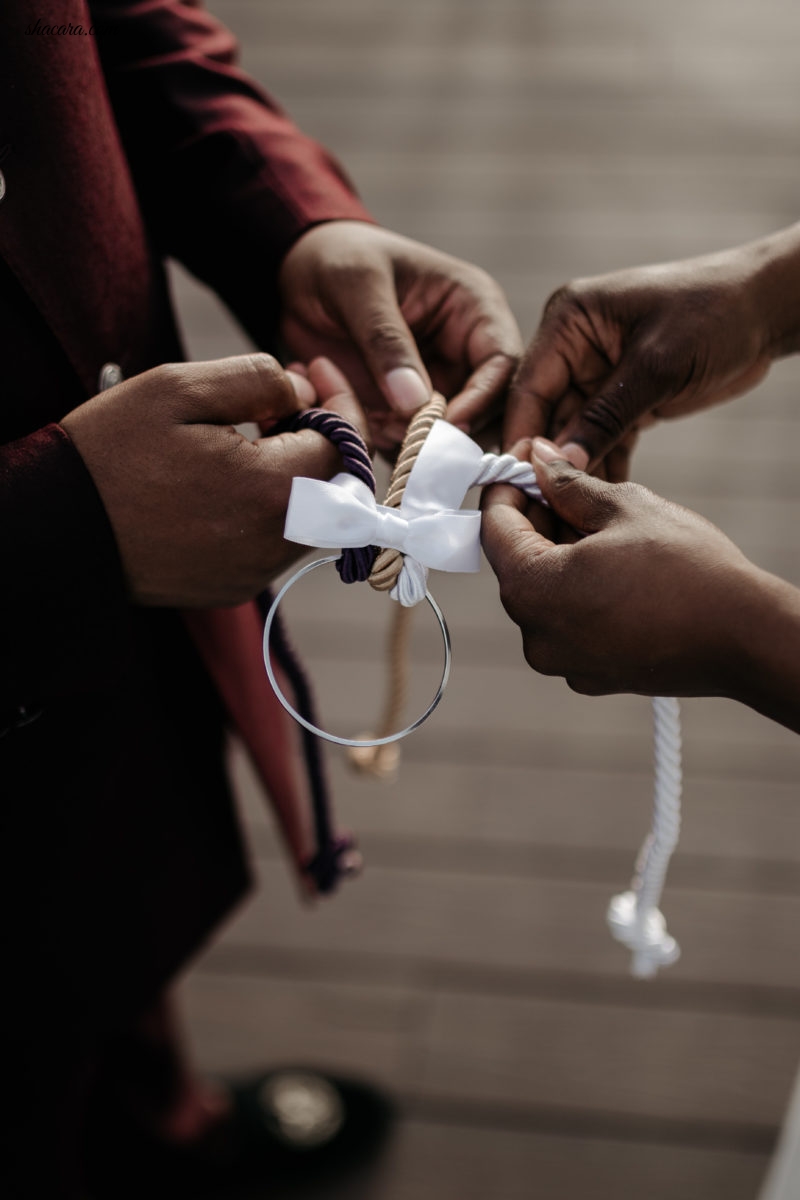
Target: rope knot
(644, 931)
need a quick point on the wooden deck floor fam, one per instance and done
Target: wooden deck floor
(469, 970)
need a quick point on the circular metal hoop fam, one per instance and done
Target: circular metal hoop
(332, 737)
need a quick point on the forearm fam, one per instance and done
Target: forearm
(772, 268)
(227, 182)
(767, 656)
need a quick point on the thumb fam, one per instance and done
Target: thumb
(231, 391)
(584, 502)
(368, 308)
(508, 538)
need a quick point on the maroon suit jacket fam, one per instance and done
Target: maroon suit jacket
(119, 849)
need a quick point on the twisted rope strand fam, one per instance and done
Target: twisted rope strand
(634, 916)
(355, 564)
(334, 857)
(383, 761)
(389, 563)
(505, 468)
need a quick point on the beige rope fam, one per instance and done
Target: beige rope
(389, 563)
(383, 761)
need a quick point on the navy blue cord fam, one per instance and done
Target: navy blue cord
(327, 866)
(354, 565)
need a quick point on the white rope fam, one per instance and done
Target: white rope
(504, 468)
(412, 581)
(634, 916)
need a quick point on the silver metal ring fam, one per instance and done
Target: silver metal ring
(332, 737)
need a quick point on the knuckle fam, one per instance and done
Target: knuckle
(567, 299)
(584, 685)
(270, 375)
(540, 655)
(608, 415)
(632, 495)
(348, 273)
(169, 377)
(263, 364)
(562, 298)
(383, 334)
(178, 387)
(481, 283)
(661, 371)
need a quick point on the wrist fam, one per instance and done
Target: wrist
(772, 267)
(764, 666)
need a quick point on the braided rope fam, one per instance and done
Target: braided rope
(505, 468)
(355, 565)
(335, 856)
(389, 563)
(634, 916)
(383, 761)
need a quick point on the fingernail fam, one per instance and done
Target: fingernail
(407, 390)
(576, 454)
(546, 451)
(302, 388)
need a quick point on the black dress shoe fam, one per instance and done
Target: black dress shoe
(287, 1129)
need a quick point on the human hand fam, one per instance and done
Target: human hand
(615, 352)
(653, 600)
(196, 508)
(399, 317)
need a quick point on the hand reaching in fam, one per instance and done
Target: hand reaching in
(617, 351)
(197, 509)
(399, 318)
(653, 599)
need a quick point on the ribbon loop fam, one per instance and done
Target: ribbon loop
(428, 526)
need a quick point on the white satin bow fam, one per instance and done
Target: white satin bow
(427, 527)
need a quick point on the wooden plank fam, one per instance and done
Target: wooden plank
(239, 1024)
(507, 807)
(784, 1172)
(679, 1066)
(427, 1161)
(521, 924)
(542, 1057)
(538, 715)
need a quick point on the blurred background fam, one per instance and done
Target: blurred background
(469, 970)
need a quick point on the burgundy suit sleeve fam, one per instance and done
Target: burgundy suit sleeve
(62, 595)
(227, 182)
